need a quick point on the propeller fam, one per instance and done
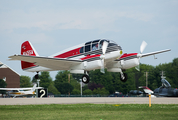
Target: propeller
(104, 48)
(142, 48)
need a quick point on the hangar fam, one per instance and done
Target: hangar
(11, 77)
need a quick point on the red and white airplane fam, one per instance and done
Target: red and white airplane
(96, 54)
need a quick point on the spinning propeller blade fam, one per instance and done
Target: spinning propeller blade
(142, 47)
(104, 48)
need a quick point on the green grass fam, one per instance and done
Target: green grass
(89, 112)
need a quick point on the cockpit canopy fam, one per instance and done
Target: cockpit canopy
(165, 83)
(95, 45)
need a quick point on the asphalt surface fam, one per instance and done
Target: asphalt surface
(94, 100)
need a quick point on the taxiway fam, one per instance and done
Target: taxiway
(82, 100)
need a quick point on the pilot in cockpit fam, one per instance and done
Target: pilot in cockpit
(95, 47)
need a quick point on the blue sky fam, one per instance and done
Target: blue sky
(54, 25)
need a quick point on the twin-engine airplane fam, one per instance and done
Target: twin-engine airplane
(21, 91)
(97, 54)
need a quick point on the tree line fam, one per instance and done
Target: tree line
(108, 83)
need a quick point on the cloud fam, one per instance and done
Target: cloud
(67, 19)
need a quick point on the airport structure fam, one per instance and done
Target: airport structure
(11, 77)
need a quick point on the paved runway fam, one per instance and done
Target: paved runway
(94, 100)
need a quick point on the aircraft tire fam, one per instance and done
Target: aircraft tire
(85, 79)
(125, 79)
(36, 76)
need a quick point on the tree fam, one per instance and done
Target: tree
(101, 91)
(53, 89)
(45, 79)
(87, 92)
(75, 84)
(77, 76)
(64, 88)
(61, 82)
(25, 81)
(3, 84)
(34, 80)
(76, 92)
(104, 79)
(93, 86)
(62, 76)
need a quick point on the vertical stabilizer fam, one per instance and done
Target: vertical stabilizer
(34, 88)
(147, 90)
(27, 49)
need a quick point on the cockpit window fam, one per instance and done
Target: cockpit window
(82, 50)
(101, 43)
(15, 91)
(111, 43)
(95, 45)
(87, 46)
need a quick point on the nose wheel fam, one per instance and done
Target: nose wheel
(85, 79)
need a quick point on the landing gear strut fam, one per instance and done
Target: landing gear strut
(123, 77)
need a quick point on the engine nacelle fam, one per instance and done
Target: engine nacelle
(126, 64)
(92, 65)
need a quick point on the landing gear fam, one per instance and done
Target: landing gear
(85, 79)
(37, 76)
(123, 77)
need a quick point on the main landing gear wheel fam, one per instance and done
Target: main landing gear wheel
(85, 79)
(125, 77)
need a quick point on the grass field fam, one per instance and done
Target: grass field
(89, 112)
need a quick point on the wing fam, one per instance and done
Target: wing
(52, 63)
(9, 88)
(15, 88)
(153, 53)
(19, 88)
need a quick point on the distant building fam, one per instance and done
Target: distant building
(11, 77)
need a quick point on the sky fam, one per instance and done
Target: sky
(54, 25)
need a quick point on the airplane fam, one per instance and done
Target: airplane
(166, 90)
(148, 91)
(96, 54)
(163, 91)
(21, 91)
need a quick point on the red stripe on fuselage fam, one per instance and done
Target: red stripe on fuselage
(73, 53)
(89, 56)
(69, 53)
(127, 55)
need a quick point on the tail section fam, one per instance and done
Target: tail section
(27, 49)
(147, 90)
(34, 88)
